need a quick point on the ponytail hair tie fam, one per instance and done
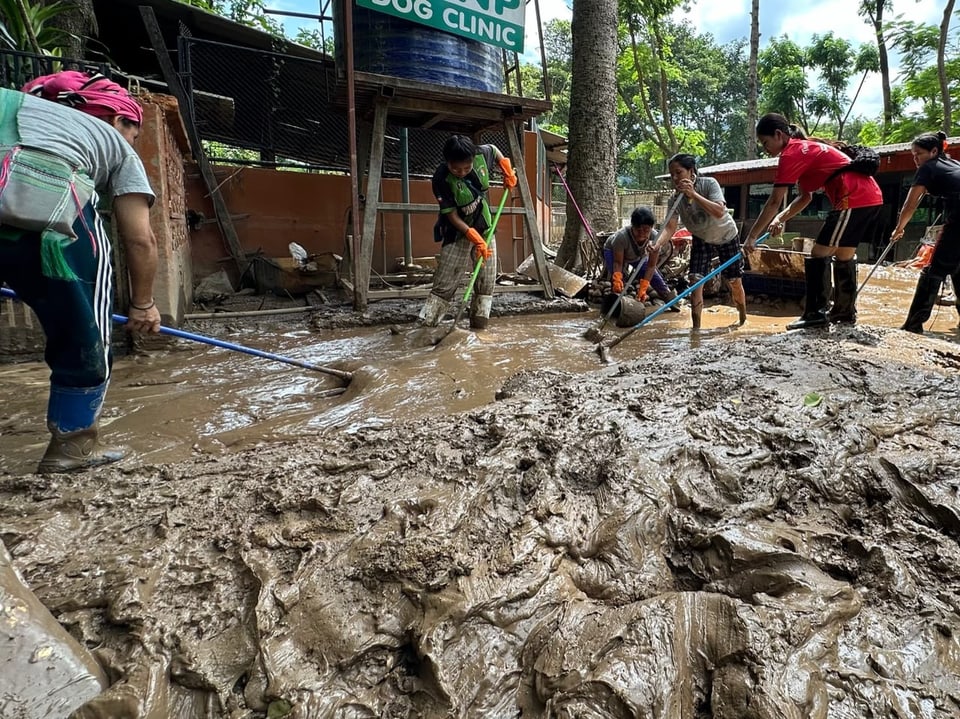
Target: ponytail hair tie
(945, 145)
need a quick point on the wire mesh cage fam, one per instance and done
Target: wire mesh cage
(275, 108)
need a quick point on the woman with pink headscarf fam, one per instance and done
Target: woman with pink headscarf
(80, 128)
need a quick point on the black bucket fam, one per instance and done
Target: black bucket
(630, 312)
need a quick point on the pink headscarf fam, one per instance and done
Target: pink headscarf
(94, 95)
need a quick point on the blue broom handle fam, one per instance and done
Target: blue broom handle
(347, 376)
(699, 283)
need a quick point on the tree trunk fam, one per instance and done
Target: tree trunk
(592, 154)
(752, 89)
(941, 68)
(80, 21)
(874, 11)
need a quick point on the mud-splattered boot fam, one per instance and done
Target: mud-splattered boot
(72, 416)
(739, 299)
(844, 307)
(433, 311)
(816, 270)
(924, 297)
(70, 451)
(668, 296)
(480, 311)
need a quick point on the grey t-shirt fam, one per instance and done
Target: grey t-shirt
(710, 229)
(88, 143)
(623, 240)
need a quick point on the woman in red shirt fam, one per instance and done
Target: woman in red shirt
(857, 211)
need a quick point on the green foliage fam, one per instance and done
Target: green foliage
(247, 12)
(17, 32)
(278, 709)
(781, 70)
(557, 43)
(783, 73)
(917, 102)
(218, 150)
(314, 39)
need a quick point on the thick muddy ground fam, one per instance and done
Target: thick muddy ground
(738, 523)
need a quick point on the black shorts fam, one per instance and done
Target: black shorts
(848, 228)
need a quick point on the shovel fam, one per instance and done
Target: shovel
(346, 376)
(477, 266)
(603, 350)
(593, 334)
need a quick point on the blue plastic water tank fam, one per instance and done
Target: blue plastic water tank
(387, 45)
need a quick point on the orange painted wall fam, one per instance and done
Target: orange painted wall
(272, 208)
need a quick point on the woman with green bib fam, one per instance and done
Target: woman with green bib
(460, 185)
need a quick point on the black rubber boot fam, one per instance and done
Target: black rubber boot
(816, 270)
(844, 292)
(924, 297)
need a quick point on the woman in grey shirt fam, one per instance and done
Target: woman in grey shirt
(704, 213)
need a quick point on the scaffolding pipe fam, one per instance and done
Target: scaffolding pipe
(359, 293)
(405, 195)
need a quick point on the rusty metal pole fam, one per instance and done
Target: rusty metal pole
(359, 294)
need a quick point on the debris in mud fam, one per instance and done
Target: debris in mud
(399, 312)
(680, 538)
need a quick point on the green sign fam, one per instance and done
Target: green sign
(495, 22)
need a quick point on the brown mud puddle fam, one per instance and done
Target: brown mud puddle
(733, 524)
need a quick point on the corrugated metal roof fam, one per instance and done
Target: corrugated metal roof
(735, 166)
(772, 161)
(556, 146)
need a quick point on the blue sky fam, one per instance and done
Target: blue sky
(730, 19)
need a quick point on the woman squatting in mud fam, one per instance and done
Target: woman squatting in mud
(61, 267)
(857, 205)
(937, 175)
(704, 213)
(630, 245)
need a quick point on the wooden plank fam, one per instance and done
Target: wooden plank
(433, 121)
(540, 260)
(443, 108)
(361, 271)
(465, 100)
(220, 209)
(421, 291)
(452, 109)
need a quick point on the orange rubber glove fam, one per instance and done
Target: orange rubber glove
(479, 243)
(509, 176)
(617, 282)
(642, 290)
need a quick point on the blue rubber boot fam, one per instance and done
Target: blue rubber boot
(72, 416)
